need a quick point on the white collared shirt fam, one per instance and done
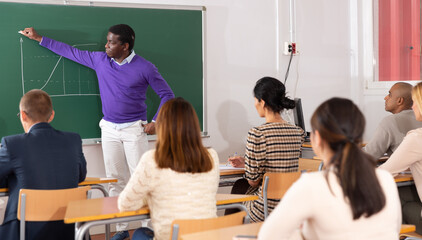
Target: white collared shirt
(126, 60)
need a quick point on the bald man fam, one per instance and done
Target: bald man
(392, 129)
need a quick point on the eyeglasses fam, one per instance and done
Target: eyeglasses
(19, 114)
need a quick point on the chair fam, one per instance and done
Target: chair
(46, 205)
(275, 185)
(307, 164)
(186, 226)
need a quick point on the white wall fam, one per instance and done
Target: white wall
(243, 42)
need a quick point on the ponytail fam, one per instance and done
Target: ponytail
(341, 124)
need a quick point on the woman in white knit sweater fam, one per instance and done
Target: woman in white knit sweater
(178, 179)
(350, 199)
(409, 155)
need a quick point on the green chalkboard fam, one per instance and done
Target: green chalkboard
(169, 38)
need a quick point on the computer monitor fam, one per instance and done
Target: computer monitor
(298, 114)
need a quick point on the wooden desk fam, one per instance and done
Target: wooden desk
(250, 229)
(232, 172)
(225, 233)
(306, 145)
(100, 211)
(404, 180)
(94, 182)
(229, 176)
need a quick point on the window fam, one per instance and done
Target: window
(393, 52)
(399, 40)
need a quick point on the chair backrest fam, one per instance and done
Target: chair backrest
(278, 183)
(275, 185)
(186, 226)
(48, 205)
(309, 164)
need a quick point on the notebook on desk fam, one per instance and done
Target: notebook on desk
(229, 167)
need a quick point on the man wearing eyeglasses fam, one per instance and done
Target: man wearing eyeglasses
(40, 158)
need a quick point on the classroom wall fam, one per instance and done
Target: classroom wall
(244, 42)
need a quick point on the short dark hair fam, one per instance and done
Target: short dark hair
(273, 92)
(37, 105)
(126, 34)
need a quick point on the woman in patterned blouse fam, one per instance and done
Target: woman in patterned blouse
(272, 147)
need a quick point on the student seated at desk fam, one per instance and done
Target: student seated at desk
(41, 158)
(179, 178)
(272, 147)
(392, 129)
(350, 199)
(409, 155)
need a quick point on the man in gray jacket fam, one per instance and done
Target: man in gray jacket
(392, 129)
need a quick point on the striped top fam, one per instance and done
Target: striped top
(271, 147)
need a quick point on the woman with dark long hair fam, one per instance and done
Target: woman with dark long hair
(350, 199)
(272, 147)
(178, 179)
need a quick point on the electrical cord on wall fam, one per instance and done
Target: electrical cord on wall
(288, 66)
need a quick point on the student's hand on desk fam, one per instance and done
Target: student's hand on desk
(149, 128)
(31, 34)
(238, 162)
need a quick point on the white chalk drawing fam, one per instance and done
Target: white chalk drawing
(82, 85)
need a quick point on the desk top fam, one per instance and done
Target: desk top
(106, 208)
(227, 172)
(250, 229)
(96, 180)
(86, 182)
(403, 177)
(307, 145)
(225, 233)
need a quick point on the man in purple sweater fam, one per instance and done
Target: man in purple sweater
(123, 79)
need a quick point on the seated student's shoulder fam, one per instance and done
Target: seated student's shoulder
(413, 138)
(148, 159)
(150, 155)
(388, 121)
(385, 176)
(70, 135)
(416, 132)
(214, 158)
(213, 153)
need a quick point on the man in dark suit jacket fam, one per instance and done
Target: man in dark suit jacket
(41, 158)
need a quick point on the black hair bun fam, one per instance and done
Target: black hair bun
(287, 103)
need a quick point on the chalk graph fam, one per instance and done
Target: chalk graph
(56, 75)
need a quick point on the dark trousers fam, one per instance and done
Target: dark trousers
(38, 230)
(411, 207)
(241, 186)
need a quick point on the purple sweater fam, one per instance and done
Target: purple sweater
(122, 88)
